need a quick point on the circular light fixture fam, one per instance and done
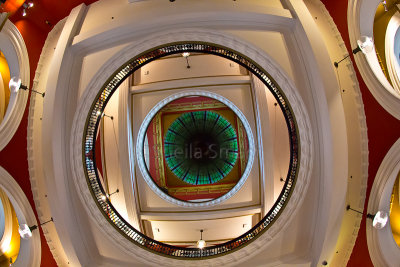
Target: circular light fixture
(24, 231)
(380, 219)
(365, 44)
(201, 243)
(14, 84)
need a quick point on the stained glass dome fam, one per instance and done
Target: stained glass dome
(196, 148)
(201, 147)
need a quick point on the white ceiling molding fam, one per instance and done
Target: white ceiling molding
(13, 47)
(3, 18)
(358, 167)
(241, 47)
(127, 152)
(149, 179)
(143, 194)
(44, 192)
(265, 142)
(381, 245)
(360, 18)
(31, 250)
(122, 30)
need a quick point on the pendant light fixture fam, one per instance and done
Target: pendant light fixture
(25, 231)
(15, 84)
(186, 55)
(365, 45)
(379, 220)
(201, 243)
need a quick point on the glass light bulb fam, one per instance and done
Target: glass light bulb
(366, 44)
(30, 4)
(24, 13)
(201, 244)
(185, 54)
(24, 231)
(380, 220)
(14, 84)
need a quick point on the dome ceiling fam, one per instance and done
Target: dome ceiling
(198, 143)
(195, 151)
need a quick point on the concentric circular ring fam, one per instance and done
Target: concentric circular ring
(104, 95)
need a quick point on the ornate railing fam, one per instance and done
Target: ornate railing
(99, 194)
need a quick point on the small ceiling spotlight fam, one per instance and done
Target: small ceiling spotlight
(365, 45)
(186, 55)
(201, 243)
(26, 6)
(383, 2)
(102, 114)
(106, 196)
(15, 84)
(379, 220)
(25, 231)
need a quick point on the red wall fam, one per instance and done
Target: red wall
(34, 30)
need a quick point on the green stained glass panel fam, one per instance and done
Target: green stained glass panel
(201, 147)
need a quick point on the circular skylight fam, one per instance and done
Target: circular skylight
(201, 147)
(197, 148)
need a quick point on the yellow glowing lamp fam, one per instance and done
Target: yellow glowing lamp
(201, 243)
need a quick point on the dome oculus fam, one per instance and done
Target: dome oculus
(196, 148)
(201, 147)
